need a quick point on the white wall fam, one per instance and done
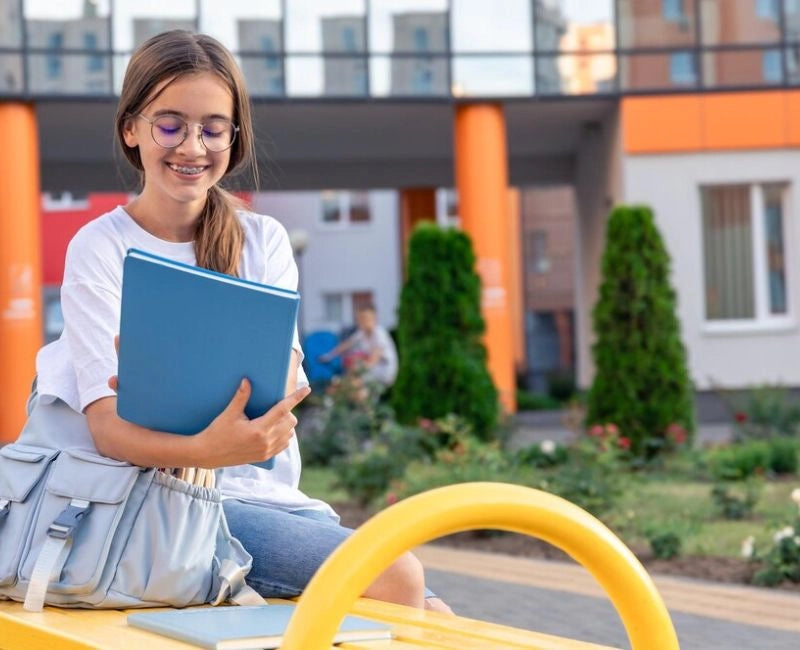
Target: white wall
(670, 185)
(342, 258)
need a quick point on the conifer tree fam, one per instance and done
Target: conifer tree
(641, 379)
(442, 358)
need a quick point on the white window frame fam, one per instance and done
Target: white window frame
(344, 197)
(763, 320)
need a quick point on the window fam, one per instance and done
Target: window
(744, 252)
(771, 66)
(331, 210)
(537, 255)
(268, 45)
(55, 41)
(673, 10)
(422, 81)
(332, 304)
(345, 208)
(682, 68)
(768, 10)
(359, 207)
(349, 39)
(421, 43)
(95, 61)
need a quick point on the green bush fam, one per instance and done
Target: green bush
(736, 500)
(781, 562)
(543, 454)
(754, 457)
(762, 412)
(665, 545)
(641, 380)
(442, 358)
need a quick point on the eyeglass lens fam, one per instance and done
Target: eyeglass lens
(169, 131)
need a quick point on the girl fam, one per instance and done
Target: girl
(184, 122)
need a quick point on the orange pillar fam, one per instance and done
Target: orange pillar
(481, 168)
(20, 264)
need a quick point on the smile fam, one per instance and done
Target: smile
(185, 169)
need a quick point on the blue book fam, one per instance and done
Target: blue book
(187, 338)
(245, 628)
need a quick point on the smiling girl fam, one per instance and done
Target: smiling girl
(184, 123)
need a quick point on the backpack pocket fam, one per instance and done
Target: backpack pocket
(104, 484)
(22, 468)
(169, 557)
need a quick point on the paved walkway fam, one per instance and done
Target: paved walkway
(562, 598)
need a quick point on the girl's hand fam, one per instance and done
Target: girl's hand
(234, 439)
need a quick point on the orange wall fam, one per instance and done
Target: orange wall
(711, 122)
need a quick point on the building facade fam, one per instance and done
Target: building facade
(382, 107)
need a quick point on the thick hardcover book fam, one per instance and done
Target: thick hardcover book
(187, 338)
(245, 628)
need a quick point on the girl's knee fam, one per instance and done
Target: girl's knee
(403, 582)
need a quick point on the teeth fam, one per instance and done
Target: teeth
(186, 170)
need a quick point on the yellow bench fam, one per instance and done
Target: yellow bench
(334, 590)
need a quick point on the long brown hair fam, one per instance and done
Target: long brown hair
(219, 237)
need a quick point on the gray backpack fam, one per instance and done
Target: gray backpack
(78, 529)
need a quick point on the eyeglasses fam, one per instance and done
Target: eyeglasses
(169, 131)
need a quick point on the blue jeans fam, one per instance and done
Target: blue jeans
(287, 547)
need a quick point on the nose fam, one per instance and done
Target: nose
(193, 143)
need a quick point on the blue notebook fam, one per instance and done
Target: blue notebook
(187, 338)
(245, 628)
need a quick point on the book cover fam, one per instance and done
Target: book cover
(187, 338)
(244, 628)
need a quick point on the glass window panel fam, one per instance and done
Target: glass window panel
(724, 21)
(656, 24)
(574, 25)
(359, 207)
(728, 252)
(332, 307)
(477, 26)
(736, 68)
(492, 76)
(136, 21)
(775, 253)
(324, 26)
(398, 26)
(10, 24)
(791, 9)
(419, 76)
(10, 74)
(656, 71)
(331, 207)
(244, 26)
(264, 74)
(576, 74)
(793, 64)
(71, 74)
(315, 76)
(74, 25)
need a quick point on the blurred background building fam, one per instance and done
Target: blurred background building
(690, 106)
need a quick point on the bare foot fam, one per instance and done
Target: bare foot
(438, 605)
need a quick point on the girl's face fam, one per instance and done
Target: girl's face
(181, 177)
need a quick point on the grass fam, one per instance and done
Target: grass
(657, 504)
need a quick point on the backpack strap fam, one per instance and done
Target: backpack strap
(233, 586)
(54, 553)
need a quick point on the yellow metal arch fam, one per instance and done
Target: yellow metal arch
(421, 518)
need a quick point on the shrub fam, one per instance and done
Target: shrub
(736, 500)
(781, 561)
(783, 456)
(641, 381)
(543, 454)
(739, 461)
(665, 545)
(442, 358)
(765, 411)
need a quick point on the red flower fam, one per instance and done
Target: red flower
(391, 498)
(612, 429)
(624, 442)
(596, 430)
(677, 433)
(741, 416)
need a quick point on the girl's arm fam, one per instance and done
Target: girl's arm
(231, 439)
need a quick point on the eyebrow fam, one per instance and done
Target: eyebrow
(169, 111)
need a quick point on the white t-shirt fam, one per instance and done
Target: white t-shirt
(385, 369)
(76, 367)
